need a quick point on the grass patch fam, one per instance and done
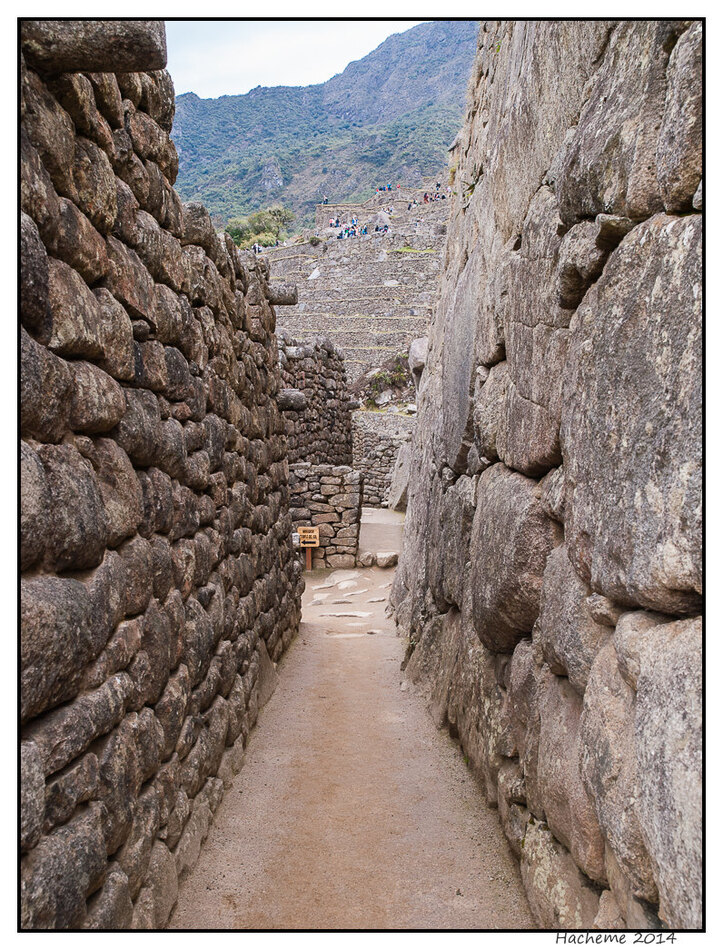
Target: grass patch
(412, 250)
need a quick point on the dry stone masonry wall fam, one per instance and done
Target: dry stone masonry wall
(550, 581)
(315, 401)
(378, 437)
(328, 497)
(159, 582)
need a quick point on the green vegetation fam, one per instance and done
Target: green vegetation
(411, 250)
(263, 227)
(388, 117)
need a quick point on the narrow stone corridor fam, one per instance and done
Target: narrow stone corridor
(355, 811)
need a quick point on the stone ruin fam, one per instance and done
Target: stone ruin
(326, 492)
(550, 580)
(159, 581)
(315, 401)
(378, 440)
(372, 295)
(328, 497)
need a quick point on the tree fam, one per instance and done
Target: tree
(262, 227)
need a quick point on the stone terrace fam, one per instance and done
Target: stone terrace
(372, 294)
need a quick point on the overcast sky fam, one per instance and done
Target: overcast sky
(229, 57)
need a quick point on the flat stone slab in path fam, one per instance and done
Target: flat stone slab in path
(352, 811)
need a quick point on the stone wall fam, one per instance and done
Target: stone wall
(378, 437)
(159, 582)
(315, 401)
(329, 497)
(550, 581)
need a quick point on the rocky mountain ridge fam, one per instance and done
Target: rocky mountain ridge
(389, 116)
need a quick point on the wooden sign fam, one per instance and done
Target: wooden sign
(308, 537)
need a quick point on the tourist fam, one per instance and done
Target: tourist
(326, 200)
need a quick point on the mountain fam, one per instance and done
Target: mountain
(388, 117)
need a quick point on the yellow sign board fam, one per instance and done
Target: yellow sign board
(308, 537)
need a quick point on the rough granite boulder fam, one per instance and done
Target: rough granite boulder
(569, 636)
(669, 759)
(680, 143)
(59, 46)
(609, 165)
(568, 805)
(560, 896)
(609, 769)
(631, 425)
(398, 490)
(511, 540)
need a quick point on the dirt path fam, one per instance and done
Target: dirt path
(352, 810)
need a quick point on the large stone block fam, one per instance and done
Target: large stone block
(92, 45)
(453, 552)
(34, 502)
(97, 402)
(568, 805)
(569, 636)
(135, 854)
(680, 142)
(511, 540)
(560, 896)
(45, 387)
(129, 281)
(669, 756)
(76, 315)
(50, 129)
(609, 768)
(64, 733)
(609, 164)
(77, 527)
(60, 872)
(632, 422)
(66, 790)
(536, 339)
(34, 299)
(32, 795)
(119, 488)
(160, 891)
(111, 908)
(79, 244)
(489, 412)
(94, 181)
(118, 356)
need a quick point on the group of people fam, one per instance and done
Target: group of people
(258, 248)
(336, 223)
(352, 231)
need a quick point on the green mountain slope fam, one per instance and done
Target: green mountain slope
(388, 117)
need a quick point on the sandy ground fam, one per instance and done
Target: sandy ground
(352, 810)
(381, 530)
